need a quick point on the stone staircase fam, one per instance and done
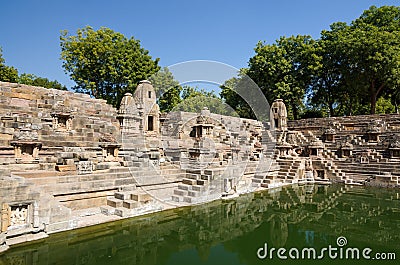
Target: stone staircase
(286, 174)
(267, 167)
(198, 186)
(337, 173)
(127, 202)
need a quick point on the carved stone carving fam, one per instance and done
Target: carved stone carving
(85, 167)
(19, 215)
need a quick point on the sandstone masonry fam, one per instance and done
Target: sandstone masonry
(65, 156)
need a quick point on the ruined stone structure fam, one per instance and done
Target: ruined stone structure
(65, 156)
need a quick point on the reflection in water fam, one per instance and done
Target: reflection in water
(230, 232)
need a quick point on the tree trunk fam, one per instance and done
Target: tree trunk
(331, 110)
(374, 95)
(373, 104)
(295, 111)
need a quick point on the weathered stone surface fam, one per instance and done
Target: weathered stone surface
(142, 197)
(63, 168)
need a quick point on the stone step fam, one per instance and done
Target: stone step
(201, 182)
(193, 193)
(122, 212)
(141, 197)
(177, 198)
(181, 192)
(114, 202)
(183, 187)
(130, 204)
(107, 210)
(189, 181)
(123, 195)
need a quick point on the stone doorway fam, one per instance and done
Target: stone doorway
(150, 123)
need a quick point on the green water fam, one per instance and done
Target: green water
(231, 232)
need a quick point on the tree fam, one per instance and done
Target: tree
(167, 89)
(284, 70)
(7, 73)
(33, 80)
(104, 63)
(327, 91)
(371, 47)
(195, 99)
(230, 93)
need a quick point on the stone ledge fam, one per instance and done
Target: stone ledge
(25, 238)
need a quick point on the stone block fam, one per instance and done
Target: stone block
(130, 204)
(64, 168)
(66, 155)
(6, 137)
(176, 198)
(122, 212)
(69, 162)
(125, 181)
(122, 195)
(47, 166)
(192, 193)
(180, 192)
(26, 237)
(183, 187)
(201, 182)
(60, 226)
(107, 210)
(114, 202)
(141, 197)
(189, 181)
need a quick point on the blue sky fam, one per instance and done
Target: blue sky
(174, 31)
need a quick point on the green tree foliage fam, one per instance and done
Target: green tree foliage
(351, 69)
(372, 46)
(104, 63)
(7, 73)
(328, 90)
(285, 69)
(360, 63)
(231, 93)
(195, 99)
(167, 89)
(33, 80)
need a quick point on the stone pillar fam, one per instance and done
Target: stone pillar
(35, 153)
(17, 151)
(104, 151)
(55, 122)
(68, 124)
(5, 217)
(35, 220)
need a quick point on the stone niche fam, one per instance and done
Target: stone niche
(278, 115)
(329, 135)
(19, 215)
(26, 151)
(62, 121)
(394, 147)
(315, 149)
(346, 150)
(284, 148)
(110, 151)
(373, 131)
